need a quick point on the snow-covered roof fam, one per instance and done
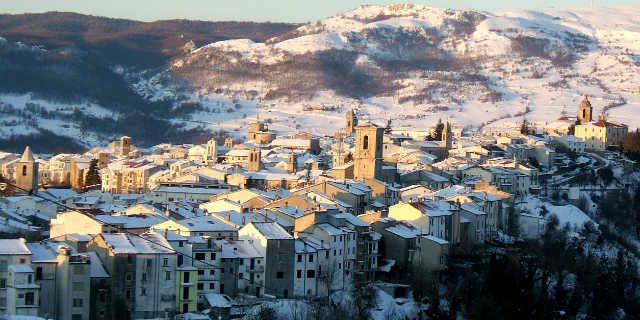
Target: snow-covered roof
(205, 224)
(404, 231)
(58, 193)
(41, 253)
(14, 247)
(354, 220)
(217, 300)
(152, 243)
(131, 222)
(436, 240)
(272, 230)
(238, 249)
(20, 268)
(329, 229)
(96, 268)
(190, 190)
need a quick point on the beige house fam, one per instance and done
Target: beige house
(598, 135)
(437, 218)
(198, 226)
(68, 222)
(127, 176)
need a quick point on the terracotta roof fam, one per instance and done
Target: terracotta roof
(604, 123)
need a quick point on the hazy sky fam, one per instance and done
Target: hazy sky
(258, 10)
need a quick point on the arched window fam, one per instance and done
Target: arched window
(365, 143)
(24, 170)
(584, 113)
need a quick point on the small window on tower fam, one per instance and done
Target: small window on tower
(24, 170)
(365, 143)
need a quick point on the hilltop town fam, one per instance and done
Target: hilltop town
(372, 222)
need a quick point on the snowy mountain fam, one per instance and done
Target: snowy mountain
(62, 83)
(410, 63)
(415, 64)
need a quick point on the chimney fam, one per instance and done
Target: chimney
(64, 250)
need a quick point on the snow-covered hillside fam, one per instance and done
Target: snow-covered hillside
(410, 63)
(415, 64)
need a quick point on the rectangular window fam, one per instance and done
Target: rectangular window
(213, 255)
(280, 275)
(299, 258)
(3, 265)
(241, 261)
(200, 256)
(186, 277)
(76, 317)
(29, 299)
(201, 272)
(299, 274)
(39, 273)
(165, 262)
(185, 293)
(167, 275)
(77, 303)
(200, 286)
(212, 272)
(212, 286)
(240, 275)
(311, 273)
(310, 258)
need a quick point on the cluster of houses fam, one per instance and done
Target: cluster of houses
(186, 229)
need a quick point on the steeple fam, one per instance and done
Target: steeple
(351, 122)
(585, 111)
(447, 136)
(27, 156)
(26, 173)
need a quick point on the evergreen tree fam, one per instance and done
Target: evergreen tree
(524, 127)
(437, 132)
(93, 175)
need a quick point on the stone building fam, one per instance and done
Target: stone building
(351, 122)
(585, 111)
(368, 153)
(26, 173)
